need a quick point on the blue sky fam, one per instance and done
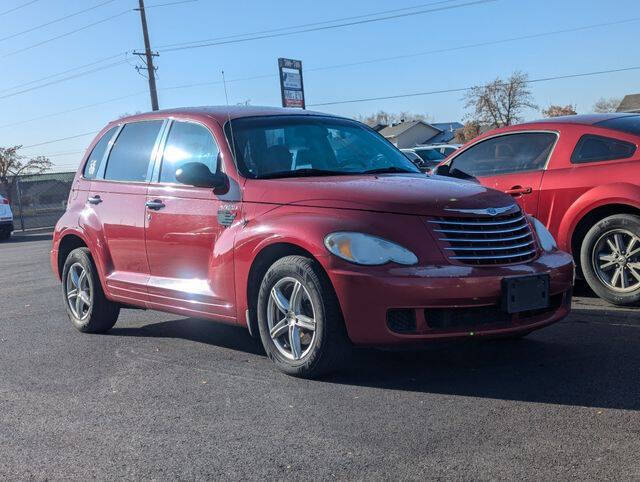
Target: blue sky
(567, 53)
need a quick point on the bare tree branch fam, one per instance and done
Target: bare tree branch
(500, 103)
(13, 165)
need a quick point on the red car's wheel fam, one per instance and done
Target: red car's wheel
(299, 319)
(610, 258)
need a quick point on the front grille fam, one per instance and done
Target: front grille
(486, 240)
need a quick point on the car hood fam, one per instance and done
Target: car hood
(415, 194)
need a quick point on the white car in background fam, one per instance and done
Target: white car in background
(447, 149)
(6, 218)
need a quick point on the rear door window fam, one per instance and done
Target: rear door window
(525, 151)
(94, 161)
(187, 142)
(592, 148)
(131, 154)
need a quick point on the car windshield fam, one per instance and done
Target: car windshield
(430, 155)
(296, 146)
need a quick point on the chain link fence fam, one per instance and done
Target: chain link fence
(38, 200)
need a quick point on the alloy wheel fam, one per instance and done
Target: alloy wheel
(78, 291)
(291, 318)
(616, 260)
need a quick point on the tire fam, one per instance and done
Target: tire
(319, 351)
(600, 261)
(4, 235)
(94, 313)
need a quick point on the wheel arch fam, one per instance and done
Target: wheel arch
(68, 242)
(261, 263)
(591, 217)
(605, 198)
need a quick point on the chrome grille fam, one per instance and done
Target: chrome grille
(486, 240)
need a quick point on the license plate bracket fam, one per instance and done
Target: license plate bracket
(525, 293)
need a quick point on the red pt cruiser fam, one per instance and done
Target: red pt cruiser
(310, 230)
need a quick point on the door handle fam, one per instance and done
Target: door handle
(156, 205)
(94, 200)
(519, 190)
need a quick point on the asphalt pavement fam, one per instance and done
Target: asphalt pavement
(164, 397)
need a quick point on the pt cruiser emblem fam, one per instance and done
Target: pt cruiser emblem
(481, 212)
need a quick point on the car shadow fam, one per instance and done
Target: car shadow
(567, 370)
(578, 363)
(27, 238)
(197, 330)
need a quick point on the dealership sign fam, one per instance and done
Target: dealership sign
(291, 85)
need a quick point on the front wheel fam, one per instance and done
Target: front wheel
(299, 318)
(610, 259)
(88, 308)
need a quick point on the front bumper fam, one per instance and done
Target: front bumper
(443, 302)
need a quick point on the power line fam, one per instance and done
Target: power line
(75, 109)
(280, 29)
(18, 7)
(463, 89)
(328, 67)
(64, 79)
(475, 45)
(58, 154)
(414, 94)
(66, 34)
(80, 28)
(314, 29)
(168, 4)
(60, 139)
(51, 22)
(35, 81)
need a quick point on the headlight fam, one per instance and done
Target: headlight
(366, 249)
(544, 236)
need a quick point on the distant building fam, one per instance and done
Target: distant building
(630, 103)
(410, 134)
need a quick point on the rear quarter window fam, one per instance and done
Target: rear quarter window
(592, 148)
(131, 154)
(92, 166)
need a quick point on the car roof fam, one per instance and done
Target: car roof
(584, 119)
(223, 113)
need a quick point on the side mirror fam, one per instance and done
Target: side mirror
(198, 175)
(442, 170)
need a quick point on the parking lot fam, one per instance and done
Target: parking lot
(166, 397)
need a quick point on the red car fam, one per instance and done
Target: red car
(310, 230)
(580, 176)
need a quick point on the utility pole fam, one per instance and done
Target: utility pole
(149, 58)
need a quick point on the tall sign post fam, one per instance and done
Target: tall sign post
(291, 84)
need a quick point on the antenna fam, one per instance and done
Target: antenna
(233, 141)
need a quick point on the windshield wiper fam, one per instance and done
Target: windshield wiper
(390, 170)
(305, 173)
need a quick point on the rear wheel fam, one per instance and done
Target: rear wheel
(88, 308)
(299, 319)
(610, 259)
